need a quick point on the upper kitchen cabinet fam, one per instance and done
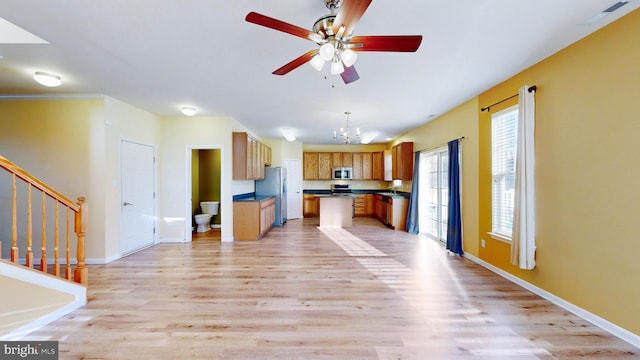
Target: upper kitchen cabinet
(402, 161)
(317, 166)
(367, 166)
(249, 157)
(310, 160)
(377, 165)
(324, 166)
(341, 159)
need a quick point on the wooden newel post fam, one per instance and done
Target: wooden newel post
(81, 275)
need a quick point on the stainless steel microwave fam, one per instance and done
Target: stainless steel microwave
(342, 173)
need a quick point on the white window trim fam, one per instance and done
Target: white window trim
(499, 237)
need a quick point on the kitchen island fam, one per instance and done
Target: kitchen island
(336, 210)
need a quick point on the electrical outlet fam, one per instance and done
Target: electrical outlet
(482, 242)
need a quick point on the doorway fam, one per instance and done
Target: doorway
(205, 180)
(137, 203)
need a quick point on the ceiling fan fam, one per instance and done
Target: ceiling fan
(333, 33)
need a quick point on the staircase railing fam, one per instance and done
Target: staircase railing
(78, 210)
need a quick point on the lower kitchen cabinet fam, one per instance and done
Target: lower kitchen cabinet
(310, 205)
(391, 211)
(363, 205)
(253, 219)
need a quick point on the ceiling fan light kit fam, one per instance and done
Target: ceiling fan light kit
(333, 34)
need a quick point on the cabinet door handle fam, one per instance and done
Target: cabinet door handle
(126, 203)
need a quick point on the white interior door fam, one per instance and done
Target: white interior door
(137, 221)
(294, 189)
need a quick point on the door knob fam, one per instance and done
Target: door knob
(126, 203)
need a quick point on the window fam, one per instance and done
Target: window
(433, 195)
(504, 126)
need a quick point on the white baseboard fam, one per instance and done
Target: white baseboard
(172, 240)
(228, 239)
(102, 261)
(604, 324)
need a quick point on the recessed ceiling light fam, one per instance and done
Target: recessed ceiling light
(47, 79)
(189, 111)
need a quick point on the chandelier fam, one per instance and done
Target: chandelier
(345, 133)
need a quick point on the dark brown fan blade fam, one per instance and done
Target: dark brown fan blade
(400, 43)
(349, 75)
(295, 63)
(349, 14)
(276, 24)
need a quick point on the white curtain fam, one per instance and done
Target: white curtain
(523, 242)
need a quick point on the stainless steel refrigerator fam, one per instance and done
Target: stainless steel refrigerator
(275, 184)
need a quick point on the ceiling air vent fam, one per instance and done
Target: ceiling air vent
(599, 16)
(615, 7)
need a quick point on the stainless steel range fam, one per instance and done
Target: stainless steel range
(344, 190)
(341, 189)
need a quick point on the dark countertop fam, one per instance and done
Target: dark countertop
(399, 194)
(340, 196)
(250, 198)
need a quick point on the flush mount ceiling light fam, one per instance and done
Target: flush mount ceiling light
(288, 133)
(368, 137)
(189, 111)
(345, 133)
(47, 79)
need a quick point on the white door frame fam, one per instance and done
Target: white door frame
(155, 192)
(188, 201)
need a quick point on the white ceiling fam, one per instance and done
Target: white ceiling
(159, 55)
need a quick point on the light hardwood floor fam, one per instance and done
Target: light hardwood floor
(302, 293)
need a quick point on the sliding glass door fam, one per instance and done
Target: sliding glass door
(434, 194)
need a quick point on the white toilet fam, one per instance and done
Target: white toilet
(209, 211)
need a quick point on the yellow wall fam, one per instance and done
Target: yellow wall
(60, 142)
(587, 166)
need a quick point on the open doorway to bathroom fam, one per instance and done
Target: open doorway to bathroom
(206, 169)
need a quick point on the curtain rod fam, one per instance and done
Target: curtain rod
(439, 145)
(530, 89)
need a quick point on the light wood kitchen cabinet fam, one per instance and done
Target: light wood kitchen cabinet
(391, 211)
(347, 159)
(341, 159)
(402, 161)
(253, 219)
(363, 205)
(356, 174)
(377, 165)
(359, 205)
(367, 166)
(377, 206)
(268, 155)
(248, 157)
(324, 166)
(397, 213)
(368, 204)
(310, 205)
(310, 171)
